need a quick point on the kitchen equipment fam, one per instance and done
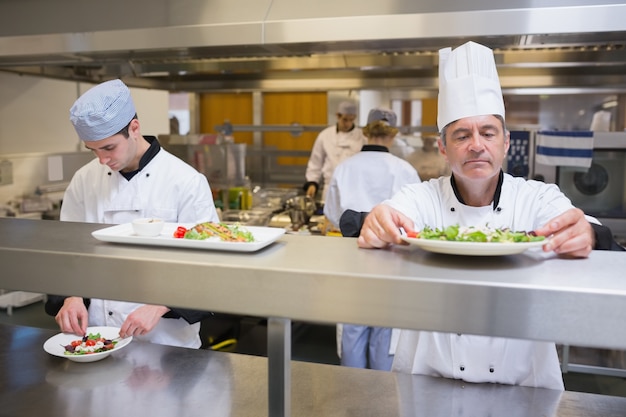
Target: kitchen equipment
(272, 198)
(248, 217)
(300, 209)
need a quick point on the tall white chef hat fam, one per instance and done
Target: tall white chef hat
(468, 84)
(102, 111)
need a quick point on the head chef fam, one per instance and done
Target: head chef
(474, 141)
(106, 121)
(471, 119)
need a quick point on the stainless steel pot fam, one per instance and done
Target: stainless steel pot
(300, 209)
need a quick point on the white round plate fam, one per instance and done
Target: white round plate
(472, 248)
(56, 344)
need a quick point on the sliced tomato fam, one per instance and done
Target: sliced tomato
(413, 234)
(180, 232)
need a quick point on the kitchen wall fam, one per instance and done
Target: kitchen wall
(34, 123)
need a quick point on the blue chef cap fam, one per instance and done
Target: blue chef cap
(382, 114)
(102, 111)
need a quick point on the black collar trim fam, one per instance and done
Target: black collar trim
(152, 151)
(374, 148)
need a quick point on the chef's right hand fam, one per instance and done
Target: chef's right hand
(311, 191)
(382, 227)
(72, 317)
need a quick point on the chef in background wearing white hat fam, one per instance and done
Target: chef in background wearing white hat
(131, 177)
(474, 141)
(333, 145)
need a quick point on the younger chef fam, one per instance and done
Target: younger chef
(474, 141)
(131, 177)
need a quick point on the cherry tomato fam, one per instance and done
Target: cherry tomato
(412, 234)
(180, 232)
(90, 342)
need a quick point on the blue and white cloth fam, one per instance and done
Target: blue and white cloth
(565, 148)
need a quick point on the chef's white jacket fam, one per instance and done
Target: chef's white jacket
(166, 188)
(359, 183)
(330, 148)
(366, 179)
(522, 205)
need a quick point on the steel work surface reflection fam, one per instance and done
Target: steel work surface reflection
(155, 380)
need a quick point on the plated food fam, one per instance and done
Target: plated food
(473, 241)
(89, 344)
(221, 231)
(255, 237)
(87, 349)
(458, 233)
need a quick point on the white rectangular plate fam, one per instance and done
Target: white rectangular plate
(123, 233)
(472, 248)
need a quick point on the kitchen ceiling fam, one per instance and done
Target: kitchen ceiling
(282, 45)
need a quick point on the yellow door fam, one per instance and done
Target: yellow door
(216, 108)
(304, 108)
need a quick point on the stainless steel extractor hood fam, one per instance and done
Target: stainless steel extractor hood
(244, 45)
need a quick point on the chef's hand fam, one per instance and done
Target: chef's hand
(72, 317)
(571, 235)
(142, 320)
(311, 191)
(381, 227)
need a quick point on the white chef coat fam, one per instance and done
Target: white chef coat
(330, 148)
(359, 183)
(523, 205)
(166, 188)
(364, 180)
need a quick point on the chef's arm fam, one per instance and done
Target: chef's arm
(604, 238)
(55, 302)
(310, 188)
(190, 316)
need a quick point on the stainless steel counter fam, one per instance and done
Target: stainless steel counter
(329, 280)
(323, 279)
(152, 380)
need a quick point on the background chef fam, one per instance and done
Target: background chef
(474, 141)
(358, 184)
(332, 146)
(131, 177)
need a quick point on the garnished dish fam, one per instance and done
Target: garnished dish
(474, 241)
(222, 231)
(208, 236)
(457, 233)
(98, 343)
(90, 343)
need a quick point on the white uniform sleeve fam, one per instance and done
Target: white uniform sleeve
(73, 207)
(196, 205)
(332, 204)
(316, 160)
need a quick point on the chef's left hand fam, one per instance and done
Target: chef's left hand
(570, 233)
(142, 320)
